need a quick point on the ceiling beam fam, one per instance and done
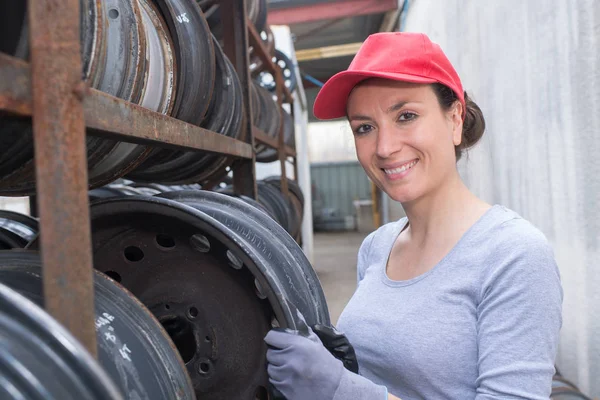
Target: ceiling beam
(340, 50)
(306, 84)
(330, 10)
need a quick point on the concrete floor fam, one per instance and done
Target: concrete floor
(335, 263)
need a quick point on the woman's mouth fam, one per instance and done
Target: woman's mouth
(400, 171)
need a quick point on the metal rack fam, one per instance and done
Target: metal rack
(50, 90)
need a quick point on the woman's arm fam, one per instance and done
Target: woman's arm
(392, 397)
(519, 318)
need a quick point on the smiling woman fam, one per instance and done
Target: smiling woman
(458, 300)
(385, 116)
(404, 140)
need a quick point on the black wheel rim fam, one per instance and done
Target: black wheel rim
(195, 69)
(40, 359)
(133, 348)
(239, 282)
(16, 230)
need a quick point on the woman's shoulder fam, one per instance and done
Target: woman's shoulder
(512, 243)
(507, 228)
(516, 257)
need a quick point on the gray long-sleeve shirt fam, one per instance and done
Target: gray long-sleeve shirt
(482, 324)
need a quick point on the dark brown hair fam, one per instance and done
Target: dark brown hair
(474, 123)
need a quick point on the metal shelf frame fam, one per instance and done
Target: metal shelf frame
(63, 108)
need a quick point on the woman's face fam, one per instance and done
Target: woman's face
(404, 140)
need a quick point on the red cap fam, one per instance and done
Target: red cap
(399, 56)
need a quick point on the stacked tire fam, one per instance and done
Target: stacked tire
(187, 281)
(287, 211)
(139, 51)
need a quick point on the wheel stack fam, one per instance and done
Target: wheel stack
(192, 263)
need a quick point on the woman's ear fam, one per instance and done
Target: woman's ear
(457, 123)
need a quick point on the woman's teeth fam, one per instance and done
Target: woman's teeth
(401, 169)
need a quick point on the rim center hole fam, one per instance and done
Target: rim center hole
(181, 332)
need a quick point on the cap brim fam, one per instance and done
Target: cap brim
(332, 98)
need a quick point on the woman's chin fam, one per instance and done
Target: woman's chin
(402, 195)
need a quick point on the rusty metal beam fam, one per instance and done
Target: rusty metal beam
(261, 51)
(290, 151)
(330, 10)
(279, 85)
(262, 137)
(61, 166)
(235, 39)
(112, 117)
(115, 118)
(295, 169)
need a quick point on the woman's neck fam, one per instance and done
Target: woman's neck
(445, 213)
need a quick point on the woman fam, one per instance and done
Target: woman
(460, 299)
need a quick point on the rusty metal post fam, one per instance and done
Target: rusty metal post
(235, 38)
(33, 208)
(295, 162)
(61, 167)
(281, 139)
(294, 158)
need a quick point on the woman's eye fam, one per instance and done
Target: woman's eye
(362, 129)
(407, 116)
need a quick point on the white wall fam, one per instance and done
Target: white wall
(17, 204)
(533, 66)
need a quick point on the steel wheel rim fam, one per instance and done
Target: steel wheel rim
(195, 70)
(133, 349)
(205, 382)
(16, 230)
(39, 342)
(249, 260)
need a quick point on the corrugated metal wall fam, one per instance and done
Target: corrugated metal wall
(337, 185)
(534, 68)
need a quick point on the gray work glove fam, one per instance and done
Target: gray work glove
(301, 368)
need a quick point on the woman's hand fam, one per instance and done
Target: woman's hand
(301, 368)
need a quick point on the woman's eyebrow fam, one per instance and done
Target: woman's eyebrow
(391, 109)
(358, 118)
(396, 106)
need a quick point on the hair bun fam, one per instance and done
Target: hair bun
(473, 125)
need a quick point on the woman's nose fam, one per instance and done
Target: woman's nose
(388, 143)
